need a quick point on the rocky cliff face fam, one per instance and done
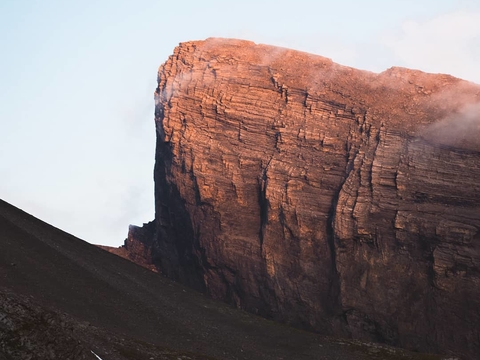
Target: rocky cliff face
(137, 247)
(329, 198)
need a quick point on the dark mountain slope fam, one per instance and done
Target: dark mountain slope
(61, 297)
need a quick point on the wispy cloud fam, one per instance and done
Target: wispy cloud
(449, 43)
(461, 129)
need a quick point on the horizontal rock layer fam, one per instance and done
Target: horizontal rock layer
(330, 198)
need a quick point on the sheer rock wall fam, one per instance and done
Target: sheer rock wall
(326, 197)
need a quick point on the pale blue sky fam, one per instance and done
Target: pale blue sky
(77, 82)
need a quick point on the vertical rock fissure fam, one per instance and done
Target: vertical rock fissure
(263, 202)
(334, 278)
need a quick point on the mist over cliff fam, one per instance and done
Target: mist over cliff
(333, 199)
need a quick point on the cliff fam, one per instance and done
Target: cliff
(329, 198)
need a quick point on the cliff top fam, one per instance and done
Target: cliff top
(409, 100)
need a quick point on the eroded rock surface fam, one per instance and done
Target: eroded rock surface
(319, 195)
(137, 247)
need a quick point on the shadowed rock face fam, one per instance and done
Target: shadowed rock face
(137, 246)
(320, 195)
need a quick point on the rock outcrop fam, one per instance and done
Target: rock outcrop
(329, 198)
(137, 247)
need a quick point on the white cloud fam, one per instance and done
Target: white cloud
(449, 43)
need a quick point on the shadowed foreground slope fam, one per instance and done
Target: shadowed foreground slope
(61, 298)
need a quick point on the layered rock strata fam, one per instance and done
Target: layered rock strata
(334, 199)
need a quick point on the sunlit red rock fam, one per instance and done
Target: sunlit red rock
(320, 195)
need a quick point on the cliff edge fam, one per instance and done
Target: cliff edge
(333, 199)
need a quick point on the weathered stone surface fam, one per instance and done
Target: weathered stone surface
(137, 246)
(319, 195)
